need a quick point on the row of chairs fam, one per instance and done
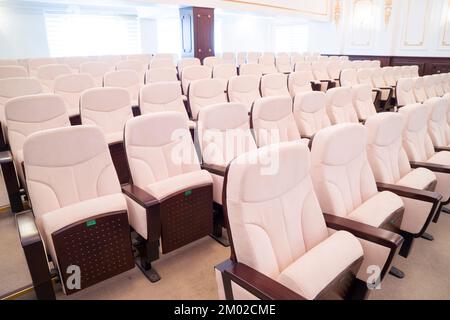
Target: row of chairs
(150, 143)
(418, 90)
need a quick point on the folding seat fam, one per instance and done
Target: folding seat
(134, 65)
(420, 150)
(414, 71)
(12, 88)
(301, 81)
(438, 88)
(334, 69)
(47, 74)
(252, 57)
(419, 90)
(170, 199)
(320, 71)
(187, 62)
(13, 72)
(303, 66)
(429, 86)
(212, 61)
(274, 84)
(203, 93)
(144, 58)
(34, 64)
(127, 79)
(393, 172)
(405, 92)
(241, 58)
(162, 63)
(163, 96)
(304, 254)
(310, 113)
(26, 115)
(9, 62)
(340, 106)
(267, 61)
(164, 56)
(379, 82)
(109, 109)
(363, 102)
(79, 213)
(348, 78)
(283, 64)
(375, 64)
(273, 121)
(229, 58)
(193, 73)
(251, 68)
(97, 70)
(74, 62)
(345, 185)
(161, 75)
(405, 72)
(438, 127)
(389, 76)
(70, 87)
(224, 133)
(244, 89)
(224, 72)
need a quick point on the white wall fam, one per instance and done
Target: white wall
(415, 28)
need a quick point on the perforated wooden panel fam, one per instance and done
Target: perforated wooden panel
(100, 247)
(186, 217)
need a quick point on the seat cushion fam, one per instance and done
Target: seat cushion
(442, 158)
(317, 268)
(55, 220)
(167, 187)
(419, 178)
(377, 210)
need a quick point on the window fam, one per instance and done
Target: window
(92, 34)
(291, 38)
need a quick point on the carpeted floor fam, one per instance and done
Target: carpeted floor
(188, 273)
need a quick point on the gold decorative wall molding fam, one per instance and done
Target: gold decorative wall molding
(387, 11)
(254, 3)
(337, 12)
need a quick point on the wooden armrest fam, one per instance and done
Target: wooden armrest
(255, 282)
(431, 166)
(379, 236)
(33, 248)
(214, 169)
(142, 197)
(439, 149)
(417, 194)
(5, 157)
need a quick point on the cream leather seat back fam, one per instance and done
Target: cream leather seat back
(212, 61)
(192, 73)
(126, 79)
(244, 89)
(251, 69)
(363, 102)
(340, 106)
(47, 74)
(157, 63)
(310, 113)
(34, 64)
(300, 82)
(438, 127)
(274, 84)
(224, 72)
(419, 90)
(70, 87)
(107, 108)
(187, 62)
(429, 87)
(273, 121)
(13, 72)
(405, 92)
(161, 75)
(229, 58)
(205, 92)
(135, 65)
(97, 70)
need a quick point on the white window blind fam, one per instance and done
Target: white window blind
(91, 34)
(291, 38)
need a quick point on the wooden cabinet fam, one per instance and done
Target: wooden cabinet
(197, 31)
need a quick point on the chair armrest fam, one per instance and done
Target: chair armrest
(315, 86)
(431, 166)
(439, 149)
(254, 282)
(379, 236)
(417, 194)
(142, 197)
(5, 157)
(33, 248)
(214, 169)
